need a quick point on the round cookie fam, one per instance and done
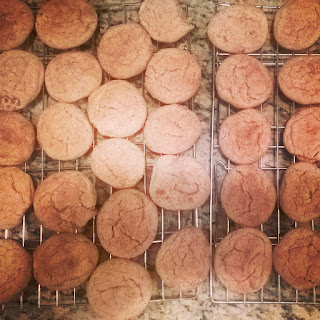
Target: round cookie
(64, 261)
(17, 138)
(15, 269)
(127, 223)
(164, 20)
(296, 258)
(16, 21)
(73, 75)
(21, 79)
(179, 183)
(172, 129)
(119, 289)
(65, 24)
(117, 109)
(297, 24)
(118, 162)
(173, 76)
(248, 195)
(243, 260)
(245, 136)
(238, 29)
(125, 50)
(60, 128)
(65, 201)
(183, 260)
(243, 81)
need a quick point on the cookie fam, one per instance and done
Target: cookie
(238, 29)
(119, 289)
(21, 79)
(60, 129)
(64, 261)
(117, 109)
(16, 21)
(17, 138)
(164, 20)
(245, 136)
(173, 76)
(65, 201)
(243, 81)
(179, 183)
(296, 258)
(243, 260)
(248, 195)
(125, 50)
(183, 260)
(127, 223)
(15, 269)
(65, 24)
(297, 24)
(118, 162)
(73, 75)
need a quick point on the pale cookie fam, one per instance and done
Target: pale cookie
(17, 138)
(243, 260)
(117, 109)
(119, 289)
(73, 75)
(173, 76)
(183, 260)
(65, 201)
(64, 132)
(125, 50)
(127, 223)
(118, 162)
(238, 29)
(65, 24)
(21, 79)
(243, 81)
(245, 136)
(179, 183)
(164, 20)
(64, 261)
(248, 195)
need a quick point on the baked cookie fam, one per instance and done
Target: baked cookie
(245, 136)
(248, 195)
(243, 81)
(60, 129)
(243, 260)
(16, 21)
(119, 289)
(125, 50)
(173, 76)
(296, 258)
(64, 261)
(127, 223)
(65, 201)
(73, 75)
(118, 162)
(172, 129)
(238, 29)
(17, 138)
(183, 260)
(179, 183)
(117, 109)
(15, 269)
(297, 24)
(21, 79)
(164, 20)
(65, 24)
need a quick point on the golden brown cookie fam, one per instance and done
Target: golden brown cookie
(243, 260)
(64, 261)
